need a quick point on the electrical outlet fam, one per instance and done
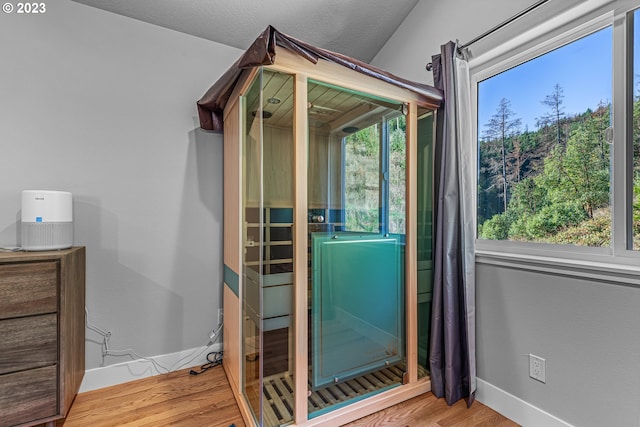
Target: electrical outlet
(537, 368)
(220, 316)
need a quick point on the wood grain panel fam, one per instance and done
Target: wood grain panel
(28, 342)
(301, 154)
(72, 325)
(232, 170)
(231, 332)
(411, 254)
(28, 395)
(42, 297)
(28, 288)
(332, 73)
(318, 175)
(278, 167)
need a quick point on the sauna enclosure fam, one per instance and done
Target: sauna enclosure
(327, 233)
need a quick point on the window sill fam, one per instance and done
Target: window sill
(619, 274)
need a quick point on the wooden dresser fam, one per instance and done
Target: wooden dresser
(42, 299)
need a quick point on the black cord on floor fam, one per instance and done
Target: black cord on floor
(214, 359)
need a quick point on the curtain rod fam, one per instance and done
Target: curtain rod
(497, 27)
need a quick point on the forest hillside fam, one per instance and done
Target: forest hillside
(551, 184)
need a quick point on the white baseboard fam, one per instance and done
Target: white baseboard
(142, 368)
(515, 408)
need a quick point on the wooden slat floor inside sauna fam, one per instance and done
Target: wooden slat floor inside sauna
(279, 401)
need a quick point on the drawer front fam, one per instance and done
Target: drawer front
(28, 288)
(28, 395)
(28, 342)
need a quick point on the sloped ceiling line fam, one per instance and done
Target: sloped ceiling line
(356, 28)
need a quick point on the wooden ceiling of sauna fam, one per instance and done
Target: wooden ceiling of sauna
(329, 109)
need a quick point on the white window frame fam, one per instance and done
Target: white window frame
(563, 29)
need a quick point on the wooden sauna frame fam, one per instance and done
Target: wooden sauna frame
(328, 72)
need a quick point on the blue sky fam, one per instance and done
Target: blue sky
(583, 69)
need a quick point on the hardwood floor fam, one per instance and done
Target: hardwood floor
(429, 411)
(174, 399)
(180, 399)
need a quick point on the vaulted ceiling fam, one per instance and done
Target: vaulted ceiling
(357, 28)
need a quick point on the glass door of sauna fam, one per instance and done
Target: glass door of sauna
(356, 214)
(424, 163)
(267, 293)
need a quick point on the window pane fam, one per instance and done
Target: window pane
(362, 180)
(544, 163)
(397, 132)
(636, 131)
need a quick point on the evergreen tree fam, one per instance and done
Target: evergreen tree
(552, 120)
(501, 129)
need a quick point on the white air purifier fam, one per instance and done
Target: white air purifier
(47, 220)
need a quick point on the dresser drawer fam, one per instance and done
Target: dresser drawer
(28, 288)
(28, 342)
(28, 395)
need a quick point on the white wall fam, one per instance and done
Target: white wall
(434, 23)
(586, 329)
(105, 107)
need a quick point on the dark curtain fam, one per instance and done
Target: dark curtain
(452, 343)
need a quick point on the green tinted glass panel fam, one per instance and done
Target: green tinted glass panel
(357, 305)
(425, 236)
